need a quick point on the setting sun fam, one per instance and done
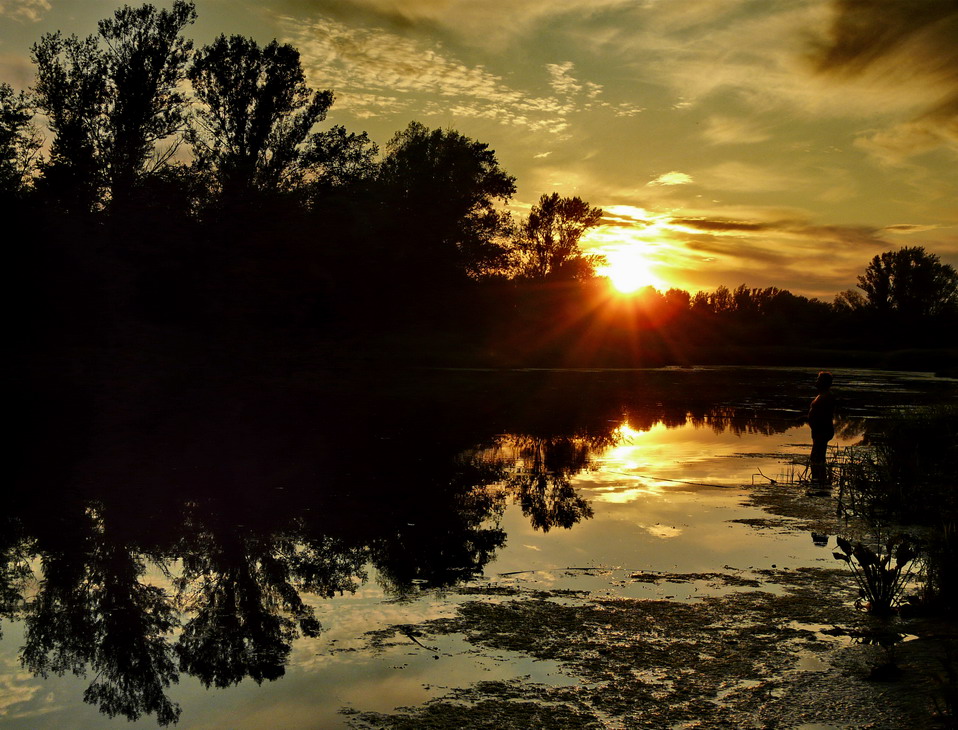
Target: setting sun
(635, 244)
(629, 270)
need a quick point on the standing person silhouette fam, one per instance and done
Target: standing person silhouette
(820, 415)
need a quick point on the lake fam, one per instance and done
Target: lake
(302, 549)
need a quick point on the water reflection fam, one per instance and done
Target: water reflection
(191, 533)
(540, 478)
(91, 613)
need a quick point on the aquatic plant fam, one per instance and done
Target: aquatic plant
(906, 475)
(881, 581)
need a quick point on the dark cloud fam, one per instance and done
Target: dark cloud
(855, 236)
(864, 32)
(908, 46)
(739, 249)
(347, 10)
(702, 224)
(911, 42)
(910, 228)
(795, 229)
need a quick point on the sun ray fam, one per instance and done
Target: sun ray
(629, 270)
(631, 241)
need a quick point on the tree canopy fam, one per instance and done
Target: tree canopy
(110, 99)
(547, 242)
(19, 140)
(437, 192)
(255, 115)
(910, 283)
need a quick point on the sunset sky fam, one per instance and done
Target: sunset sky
(767, 142)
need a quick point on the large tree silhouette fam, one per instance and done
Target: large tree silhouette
(910, 282)
(437, 193)
(255, 116)
(109, 99)
(548, 241)
(145, 60)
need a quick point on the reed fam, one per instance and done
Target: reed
(905, 475)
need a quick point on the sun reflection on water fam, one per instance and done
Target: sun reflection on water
(666, 458)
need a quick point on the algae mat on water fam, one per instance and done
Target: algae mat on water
(771, 648)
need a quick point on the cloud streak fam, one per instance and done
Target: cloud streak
(30, 11)
(375, 72)
(704, 252)
(906, 44)
(488, 24)
(750, 178)
(724, 130)
(672, 178)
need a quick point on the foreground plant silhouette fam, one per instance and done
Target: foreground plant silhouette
(881, 583)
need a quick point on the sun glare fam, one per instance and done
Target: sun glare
(633, 242)
(629, 271)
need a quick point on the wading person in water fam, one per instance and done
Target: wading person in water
(820, 415)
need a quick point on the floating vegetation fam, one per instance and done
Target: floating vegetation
(755, 658)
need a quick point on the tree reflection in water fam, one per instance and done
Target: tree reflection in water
(138, 587)
(243, 592)
(93, 614)
(541, 481)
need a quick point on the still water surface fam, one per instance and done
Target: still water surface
(218, 553)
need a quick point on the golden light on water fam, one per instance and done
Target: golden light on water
(667, 459)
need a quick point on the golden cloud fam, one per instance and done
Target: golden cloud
(24, 10)
(672, 178)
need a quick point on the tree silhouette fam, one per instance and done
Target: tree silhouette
(337, 159)
(145, 60)
(19, 140)
(92, 612)
(448, 540)
(256, 113)
(542, 481)
(437, 192)
(109, 99)
(849, 301)
(15, 569)
(547, 243)
(910, 283)
(71, 89)
(246, 611)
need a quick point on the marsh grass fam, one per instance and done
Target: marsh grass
(906, 475)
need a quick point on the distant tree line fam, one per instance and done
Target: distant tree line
(198, 187)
